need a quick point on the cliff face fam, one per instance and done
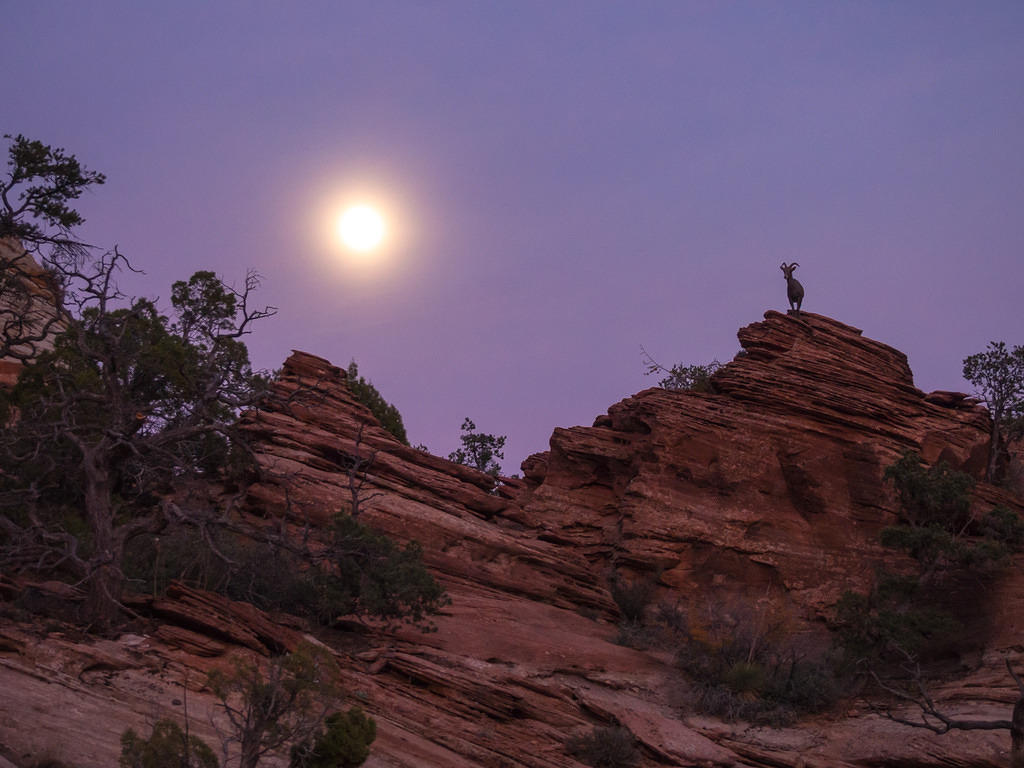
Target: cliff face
(766, 493)
(773, 484)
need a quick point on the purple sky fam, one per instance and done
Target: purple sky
(571, 179)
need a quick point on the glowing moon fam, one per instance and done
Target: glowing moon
(361, 228)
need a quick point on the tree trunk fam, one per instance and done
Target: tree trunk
(994, 442)
(1017, 735)
(250, 756)
(105, 581)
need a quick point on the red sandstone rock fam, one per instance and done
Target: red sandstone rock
(32, 299)
(766, 493)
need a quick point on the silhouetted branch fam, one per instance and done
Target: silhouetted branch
(931, 717)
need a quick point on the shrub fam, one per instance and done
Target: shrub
(367, 573)
(909, 615)
(359, 572)
(931, 496)
(940, 530)
(167, 746)
(383, 411)
(1004, 526)
(692, 378)
(632, 598)
(744, 667)
(895, 619)
(345, 742)
(605, 747)
(268, 709)
(745, 677)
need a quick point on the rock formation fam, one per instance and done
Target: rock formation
(765, 492)
(29, 319)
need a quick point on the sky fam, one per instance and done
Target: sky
(563, 180)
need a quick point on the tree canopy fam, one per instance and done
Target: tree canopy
(998, 377)
(35, 193)
(479, 450)
(118, 400)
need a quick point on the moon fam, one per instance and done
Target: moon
(361, 228)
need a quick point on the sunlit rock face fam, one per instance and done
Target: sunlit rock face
(764, 495)
(28, 309)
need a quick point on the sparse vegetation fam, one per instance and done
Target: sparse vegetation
(168, 746)
(743, 665)
(738, 662)
(633, 597)
(268, 711)
(479, 450)
(359, 572)
(679, 378)
(938, 528)
(344, 742)
(907, 614)
(364, 572)
(998, 377)
(383, 411)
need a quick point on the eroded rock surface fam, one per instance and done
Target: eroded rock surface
(764, 494)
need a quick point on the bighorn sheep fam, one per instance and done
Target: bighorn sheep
(794, 290)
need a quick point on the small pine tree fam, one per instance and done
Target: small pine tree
(480, 451)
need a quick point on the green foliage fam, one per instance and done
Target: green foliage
(367, 573)
(605, 747)
(905, 615)
(35, 193)
(998, 377)
(383, 411)
(344, 743)
(479, 450)
(679, 378)
(127, 403)
(930, 545)
(359, 572)
(276, 707)
(742, 665)
(692, 378)
(939, 530)
(1005, 527)
(167, 747)
(896, 619)
(745, 677)
(931, 496)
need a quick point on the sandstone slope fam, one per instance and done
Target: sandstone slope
(764, 495)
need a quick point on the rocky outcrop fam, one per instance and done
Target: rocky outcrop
(764, 494)
(771, 484)
(29, 317)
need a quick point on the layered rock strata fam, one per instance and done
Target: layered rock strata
(765, 494)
